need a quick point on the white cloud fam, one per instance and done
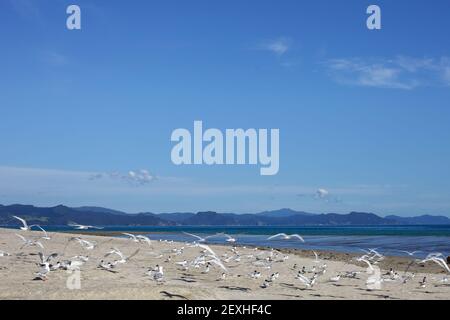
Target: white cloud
(278, 46)
(401, 72)
(138, 178)
(54, 59)
(322, 193)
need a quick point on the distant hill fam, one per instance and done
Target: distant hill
(425, 219)
(283, 213)
(99, 209)
(62, 215)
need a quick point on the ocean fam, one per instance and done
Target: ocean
(351, 239)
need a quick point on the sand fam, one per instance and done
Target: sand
(131, 282)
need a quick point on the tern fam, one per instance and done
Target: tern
(413, 253)
(365, 261)
(82, 227)
(48, 259)
(285, 236)
(441, 262)
(29, 243)
(336, 278)
(42, 274)
(156, 274)
(200, 239)
(230, 239)
(122, 259)
(309, 283)
(45, 237)
(25, 225)
(4, 254)
(88, 245)
(107, 266)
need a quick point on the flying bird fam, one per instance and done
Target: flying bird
(285, 236)
(82, 227)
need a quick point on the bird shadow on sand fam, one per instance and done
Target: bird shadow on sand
(172, 295)
(232, 288)
(317, 295)
(291, 286)
(186, 280)
(382, 296)
(344, 285)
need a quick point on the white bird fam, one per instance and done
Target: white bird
(365, 261)
(25, 225)
(107, 266)
(82, 227)
(410, 253)
(144, 239)
(156, 275)
(255, 275)
(285, 236)
(336, 278)
(200, 239)
(45, 237)
(230, 239)
(132, 237)
(122, 257)
(4, 254)
(441, 262)
(316, 258)
(88, 245)
(29, 243)
(42, 274)
(307, 282)
(48, 259)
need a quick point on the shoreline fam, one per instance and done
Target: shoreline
(398, 262)
(131, 282)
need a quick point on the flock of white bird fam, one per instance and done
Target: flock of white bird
(208, 259)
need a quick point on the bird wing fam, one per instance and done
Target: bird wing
(52, 256)
(144, 238)
(298, 236)
(442, 263)
(303, 279)
(218, 262)
(21, 237)
(277, 235)
(130, 235)
(73, 224)
(21, 220)
(42, 229)
(207, 248)
(132, 255)
(193, 235)
(316, 255)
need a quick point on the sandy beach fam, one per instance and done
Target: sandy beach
(130, 281)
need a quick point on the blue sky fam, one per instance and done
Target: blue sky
(363, 115)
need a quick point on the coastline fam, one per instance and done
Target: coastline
(130, 282)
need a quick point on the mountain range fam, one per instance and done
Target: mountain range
(62, 215)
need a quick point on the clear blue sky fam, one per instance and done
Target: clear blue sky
(364, 115)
